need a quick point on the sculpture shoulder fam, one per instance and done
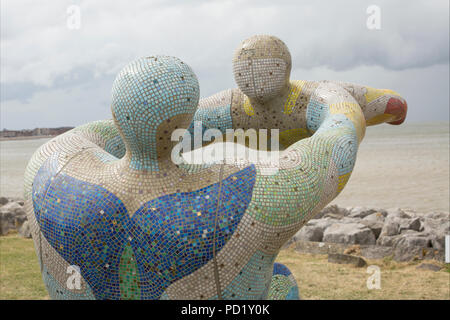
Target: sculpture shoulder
(220, 99)
(298, 96)
(214, 112)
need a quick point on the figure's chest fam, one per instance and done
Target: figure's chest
(283, 112)
(287, 117)
(136, 255)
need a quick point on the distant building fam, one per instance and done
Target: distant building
(5, 133)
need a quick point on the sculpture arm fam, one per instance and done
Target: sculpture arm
(213, 112)
(378, 105)
(313, 171)
(105, 134)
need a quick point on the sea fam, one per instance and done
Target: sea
(397, 166)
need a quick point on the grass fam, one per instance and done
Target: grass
(20, 277)
(319, 279)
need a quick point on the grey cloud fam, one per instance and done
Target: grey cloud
(45, 65)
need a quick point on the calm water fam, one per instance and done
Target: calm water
(404, 166)
(14, 157)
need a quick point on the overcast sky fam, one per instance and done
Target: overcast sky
(54, 75)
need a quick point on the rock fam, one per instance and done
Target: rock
(25, 230)
(377, 216)
(351, 233)
(429, 266)
(397, 212)
(3, 201)
(346, 259)
(309, 233)
(361, 212)
(401, 233)
(376, 252)
(438, 215)
(374, 226)
(412, 224)
(13, 207)
(405, 253)
(332, 211)
(313, 230)
(414, 238)
(394, 225)
(388, 241)
(12, 216)
(6, 222)
(439, 228)
(374, 222)
(390, 228)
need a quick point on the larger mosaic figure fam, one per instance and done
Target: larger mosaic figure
(106, 199)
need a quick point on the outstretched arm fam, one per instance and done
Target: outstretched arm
(378, 105)
(313, 171)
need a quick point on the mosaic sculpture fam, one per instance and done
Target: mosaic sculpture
(266, 98)
(105, 198)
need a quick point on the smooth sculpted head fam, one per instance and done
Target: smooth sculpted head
(261, 67)
(151, 97)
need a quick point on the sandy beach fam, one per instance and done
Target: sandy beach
(403, 166)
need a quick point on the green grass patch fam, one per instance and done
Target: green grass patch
(20, 277)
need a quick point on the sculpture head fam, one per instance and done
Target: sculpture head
(151, 97)
(261, 67)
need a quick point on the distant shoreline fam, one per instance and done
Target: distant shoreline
(27, 137)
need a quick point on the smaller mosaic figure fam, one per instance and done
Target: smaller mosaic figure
(266, 98)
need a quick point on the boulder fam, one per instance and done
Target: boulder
(309, 233)
(346, 259)
(361, 212)
(388, 241)
(429, 266)
(3, 201)
(349, 233)
(376, 252)
(397, 212)
(332, 211)
(390, 228)
(313, 230)
(14, 208)
(414, 238)
(25, 230)
(12, 216)
(6, 222)
(438, 228)
(394, 225)
(438, 215)
(409, 253)
(374, 222)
